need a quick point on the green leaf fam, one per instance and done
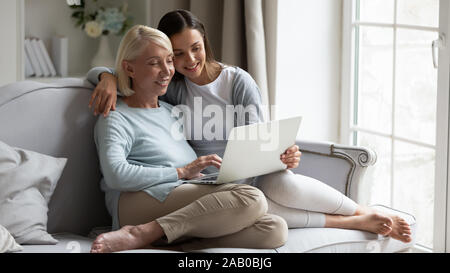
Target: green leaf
(80, 22)
(77, 14)
(128, 22)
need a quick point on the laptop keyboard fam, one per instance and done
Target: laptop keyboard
(209, 179)
(213, 178)
(206, 181)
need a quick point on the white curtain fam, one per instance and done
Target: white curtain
(233, 34)
(256, 45)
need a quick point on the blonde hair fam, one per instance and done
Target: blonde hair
(131, 47)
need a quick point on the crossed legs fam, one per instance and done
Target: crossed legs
(229, 215)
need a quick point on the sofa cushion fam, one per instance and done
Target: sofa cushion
(67, 243)
(54, 119)
(27, 182)
(72, 243)
(300, 240)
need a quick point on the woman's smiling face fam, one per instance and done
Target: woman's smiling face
(153, 69)
(189, 51)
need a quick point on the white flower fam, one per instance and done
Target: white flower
(93, 29)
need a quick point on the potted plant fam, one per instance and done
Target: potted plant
(99, 21)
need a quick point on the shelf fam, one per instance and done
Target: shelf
(45, 19)
(52, 79)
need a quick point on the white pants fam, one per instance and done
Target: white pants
(301, 200)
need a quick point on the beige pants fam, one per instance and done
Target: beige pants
(227, 215)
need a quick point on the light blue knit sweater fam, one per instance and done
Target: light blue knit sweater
(139, 150)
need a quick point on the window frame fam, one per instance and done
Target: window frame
(441, 242)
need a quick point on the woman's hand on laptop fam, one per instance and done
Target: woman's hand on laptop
(291, 157)
(193, 169)
(104, 95)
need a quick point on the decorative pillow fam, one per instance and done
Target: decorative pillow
(27, 182)
(7, 242)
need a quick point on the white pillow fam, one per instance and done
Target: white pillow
(27, 182)
(7, 242)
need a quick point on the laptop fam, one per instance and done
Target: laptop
(254, 150)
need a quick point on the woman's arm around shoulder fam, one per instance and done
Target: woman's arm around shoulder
(93, 75)
(104, 96)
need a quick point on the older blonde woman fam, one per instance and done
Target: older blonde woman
(143, 162)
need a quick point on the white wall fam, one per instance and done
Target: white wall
(309, 64)
(10, 31)
(46, 18)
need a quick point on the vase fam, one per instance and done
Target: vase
(103, 57)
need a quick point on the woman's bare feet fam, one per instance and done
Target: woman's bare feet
(400, 228)
(126, 238)
(374, 222)
(122, 239)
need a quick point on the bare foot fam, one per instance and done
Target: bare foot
(400, 229)
(373, 222)
(122, 239)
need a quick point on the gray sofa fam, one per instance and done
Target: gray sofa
(54, 119)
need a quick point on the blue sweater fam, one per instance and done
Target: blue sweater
(139, 150)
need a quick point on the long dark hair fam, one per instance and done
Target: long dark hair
(175, 22)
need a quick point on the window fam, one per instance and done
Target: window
(389, 102)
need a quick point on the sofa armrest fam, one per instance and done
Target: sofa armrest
(340, 166)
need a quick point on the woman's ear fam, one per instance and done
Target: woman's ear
(128, 67)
